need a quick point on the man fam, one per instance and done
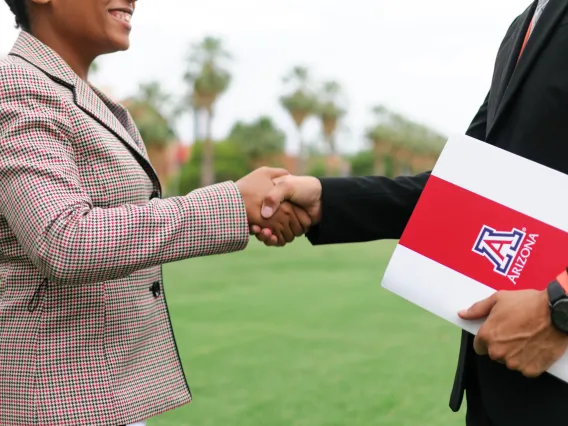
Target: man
(526, 113)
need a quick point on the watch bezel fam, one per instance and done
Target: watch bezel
(559, 315)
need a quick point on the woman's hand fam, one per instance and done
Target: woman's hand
(303, 191)
(289, 221)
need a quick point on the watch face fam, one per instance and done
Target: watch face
(560, 315)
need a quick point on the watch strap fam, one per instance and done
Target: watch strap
(558, 289)
(562, 279)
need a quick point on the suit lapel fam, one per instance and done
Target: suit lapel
(515, 73)
(508, 54)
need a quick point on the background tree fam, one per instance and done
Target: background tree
(149, 110)
(300, 104)
(362, 163)
(231, 163)
(94, 68)
(259, 141)
(411, 146)
(329, 111)
(207, 79)
(383, 137)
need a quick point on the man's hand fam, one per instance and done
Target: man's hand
(303, 191)
(518, 331)
(289, 222)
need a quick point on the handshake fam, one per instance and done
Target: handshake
(280, 206)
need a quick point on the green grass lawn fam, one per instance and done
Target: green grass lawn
(305, 336)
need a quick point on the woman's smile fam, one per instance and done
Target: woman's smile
(122, 15)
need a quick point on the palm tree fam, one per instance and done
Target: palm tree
(423, 142)
(153, 94)
(260, 140)
(403, 143)
(147, 108)
(300, 104)
(155, 124)
(329, 112)
(410, 145)
(207, 80)
(383, 137)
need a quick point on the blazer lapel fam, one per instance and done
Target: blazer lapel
(100, 108)
(93, 102)
(538, 39)
(114, 118)
(124, 119)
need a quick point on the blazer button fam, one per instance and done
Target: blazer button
(154, 194)
(155, 288)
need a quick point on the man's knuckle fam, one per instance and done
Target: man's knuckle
(530, 372)
(495, 354)
(286, 208)
(482, 334)
(285, 185)
(513, 364)
(501, 294)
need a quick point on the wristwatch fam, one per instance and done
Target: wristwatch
(558, 298)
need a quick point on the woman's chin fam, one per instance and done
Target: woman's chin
(120, 44)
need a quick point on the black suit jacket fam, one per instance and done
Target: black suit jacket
(524, 112)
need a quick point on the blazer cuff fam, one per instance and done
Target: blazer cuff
(224, 227)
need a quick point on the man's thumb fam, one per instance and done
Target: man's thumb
(479, 310)
(279, 193)
(276, 172)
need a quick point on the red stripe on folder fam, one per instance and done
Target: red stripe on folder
(514, 251)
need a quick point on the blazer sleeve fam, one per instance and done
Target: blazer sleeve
(360, 209)
(53, 218)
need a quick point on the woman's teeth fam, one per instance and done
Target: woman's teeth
(123, 16)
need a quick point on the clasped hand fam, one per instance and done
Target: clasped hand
(517, 331)
(280, 206)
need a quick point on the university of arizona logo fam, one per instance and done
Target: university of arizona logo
(501, 248)
(508, 251)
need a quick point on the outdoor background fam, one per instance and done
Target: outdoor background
(302, 335)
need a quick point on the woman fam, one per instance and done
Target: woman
(85, 335)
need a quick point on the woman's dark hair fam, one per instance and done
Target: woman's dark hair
(18, 8)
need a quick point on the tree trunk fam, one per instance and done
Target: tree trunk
(379, 165)
(163, 161)
(401, 156)
(207, 165)
(416, 163)
(196, 124)
(331, 158)
(301, 164)
(380, 149)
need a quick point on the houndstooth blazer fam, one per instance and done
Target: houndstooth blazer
(85, 334)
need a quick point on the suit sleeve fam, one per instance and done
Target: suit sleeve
(360, 209)
(53, 218)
